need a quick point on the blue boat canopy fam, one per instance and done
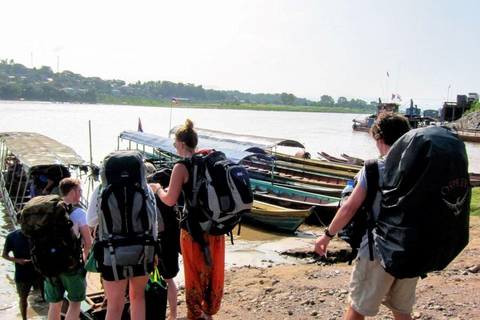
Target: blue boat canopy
(166, 144)
(243, 141)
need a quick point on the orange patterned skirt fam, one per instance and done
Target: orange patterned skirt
(203, 285)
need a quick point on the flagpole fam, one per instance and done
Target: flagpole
(388, 76)
(398, 78)
(170, 125)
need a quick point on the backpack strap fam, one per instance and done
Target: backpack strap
(371, 171)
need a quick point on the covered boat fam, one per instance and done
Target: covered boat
(26, 156)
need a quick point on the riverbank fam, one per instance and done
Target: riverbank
(318, 289)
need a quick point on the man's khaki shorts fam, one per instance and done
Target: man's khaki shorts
(371, 285)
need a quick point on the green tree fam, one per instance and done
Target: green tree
(342, 101)
(11, 91)
(287, 98)
(326, 101)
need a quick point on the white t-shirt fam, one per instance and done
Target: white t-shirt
(78, 217)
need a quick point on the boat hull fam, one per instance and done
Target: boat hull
(275, 217)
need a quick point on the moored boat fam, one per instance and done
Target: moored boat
(275, 217)
(26, 155)
(322, 207)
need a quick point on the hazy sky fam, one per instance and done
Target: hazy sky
(430, 48)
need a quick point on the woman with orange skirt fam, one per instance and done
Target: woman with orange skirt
(204, 272)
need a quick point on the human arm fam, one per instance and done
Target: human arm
(92, 217)
(87, 240)
(178, 178)
(8, 257)
(6, 253)
(342, 217)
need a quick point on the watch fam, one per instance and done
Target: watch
(327, 233)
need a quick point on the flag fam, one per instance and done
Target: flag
(388, 75)
(399, 97)
(140, 128)
(393, 96)
(175, 100)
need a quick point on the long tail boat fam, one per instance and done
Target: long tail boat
(25, 155)
(275, 217)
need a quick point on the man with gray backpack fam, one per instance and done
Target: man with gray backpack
(124, 209)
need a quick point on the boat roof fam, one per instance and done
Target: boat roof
(166, 144)
(34, 149)
(243, 141)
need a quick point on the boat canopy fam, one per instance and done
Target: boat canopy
(166, 144)
(243, 141)
(34, 149)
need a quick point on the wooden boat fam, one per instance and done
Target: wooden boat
(323, 207)
(330, 158)
(366, 123)
(26, 154)
(353, 160)
(268, 190)
(346, 159)
(276, 172)
(469, 135)
(275, 217)
(328, 167)
(474, 179)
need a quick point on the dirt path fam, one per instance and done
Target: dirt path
(318, 290)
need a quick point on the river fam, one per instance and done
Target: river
(69, 123)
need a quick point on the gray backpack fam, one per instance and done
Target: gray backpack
(127, 213)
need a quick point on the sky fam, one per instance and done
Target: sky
(424, 50)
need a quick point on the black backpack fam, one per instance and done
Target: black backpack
(126, 213)
(54, 248)
(363, 220)
(221, 192)
(424, 219)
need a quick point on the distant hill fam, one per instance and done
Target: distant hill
(18, 82)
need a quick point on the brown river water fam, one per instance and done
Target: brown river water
(69, 123)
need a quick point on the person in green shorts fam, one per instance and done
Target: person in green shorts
(73, 282)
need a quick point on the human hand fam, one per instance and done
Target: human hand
(155, 187)
(321, 245)
(23, 261)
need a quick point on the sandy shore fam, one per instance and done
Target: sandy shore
(318, 289)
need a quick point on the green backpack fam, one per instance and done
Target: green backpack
(54, 247)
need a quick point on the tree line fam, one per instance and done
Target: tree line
(18, 82)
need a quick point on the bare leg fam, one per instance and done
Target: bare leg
(116, 298)
(73, 311)
(206, 316)
(401, 316)
(137, 297)
(54, 310)
(172, 298)
(23, 304)
(353, 315)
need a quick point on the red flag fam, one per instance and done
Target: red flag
(393, 96)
